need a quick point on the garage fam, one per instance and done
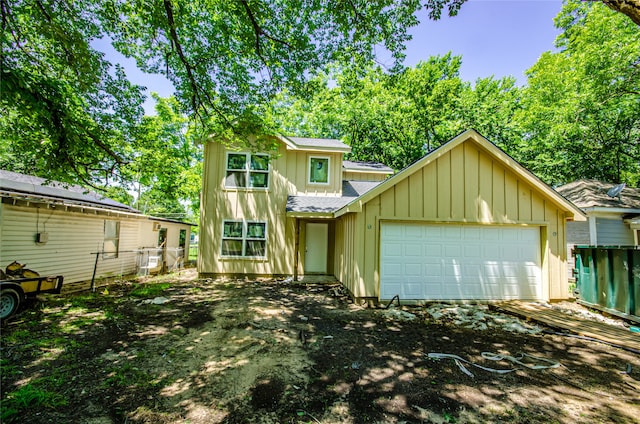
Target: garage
(421, 261)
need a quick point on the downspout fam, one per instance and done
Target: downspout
(593, 231)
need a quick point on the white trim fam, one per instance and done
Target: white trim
(328, 158)
(600, 210)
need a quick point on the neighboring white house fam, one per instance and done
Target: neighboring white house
(58, 229)
(610, 213)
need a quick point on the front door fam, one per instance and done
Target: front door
(316, 242)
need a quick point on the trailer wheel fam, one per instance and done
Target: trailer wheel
(9, 302)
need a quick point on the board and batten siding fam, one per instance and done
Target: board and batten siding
(465, 185)
(73, 238)
(220, 203)
(297, 172)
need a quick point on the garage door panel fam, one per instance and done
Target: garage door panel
(452, 232)
(461, 262)
(432, 251)
(472, 251)
(391, 249)
(412, 250)
(452, 250)
(472, 233)
(412, 270)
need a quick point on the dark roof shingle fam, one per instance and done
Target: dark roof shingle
(593, 194)
(325, 204)
(350, 165)
(13, 184)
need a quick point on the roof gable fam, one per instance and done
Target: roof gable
(469, 136)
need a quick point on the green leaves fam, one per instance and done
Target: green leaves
(581, 113)
(397, 118)
(66, 112)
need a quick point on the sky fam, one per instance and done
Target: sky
(494, 37)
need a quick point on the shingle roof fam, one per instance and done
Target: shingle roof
(350, 191)
(349, 165)
(13, 184)
(323, 144)
(593, 194)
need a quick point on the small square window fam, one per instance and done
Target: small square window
(319, 170)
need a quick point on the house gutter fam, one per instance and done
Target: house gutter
(605, 210)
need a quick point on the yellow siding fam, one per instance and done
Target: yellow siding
(346, 261)
(220, 203)
(416, 205)
(297, 173)
(464, 185)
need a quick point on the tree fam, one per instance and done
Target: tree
(69, 114)
(397, 118)
(167, 164)
(581, 111)
(66, 113)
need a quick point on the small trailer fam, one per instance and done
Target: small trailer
(14, 291)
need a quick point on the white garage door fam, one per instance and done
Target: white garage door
(459, 262)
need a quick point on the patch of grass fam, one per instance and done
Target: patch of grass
(81, 319)
(128, 375)
(9, 369)
(149, 290)
(16, 337)
(36, 394)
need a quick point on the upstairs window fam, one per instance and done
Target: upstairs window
(319, 170)
(244, 239)
(246, 170)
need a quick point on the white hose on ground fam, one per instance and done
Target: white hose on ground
(496, 357)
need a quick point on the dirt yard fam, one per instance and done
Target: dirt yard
(177, 349)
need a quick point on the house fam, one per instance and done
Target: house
(464, 222)
(58, 229)
(610, 213)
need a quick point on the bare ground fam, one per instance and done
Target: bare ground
(276, 351)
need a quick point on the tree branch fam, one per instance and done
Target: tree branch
(195, 97)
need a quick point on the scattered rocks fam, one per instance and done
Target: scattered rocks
(155, 301)
(478, 317)
(399, 314)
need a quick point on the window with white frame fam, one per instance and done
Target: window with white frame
(319, 170)
(244, 239)
(111, 244)
(247, 170)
